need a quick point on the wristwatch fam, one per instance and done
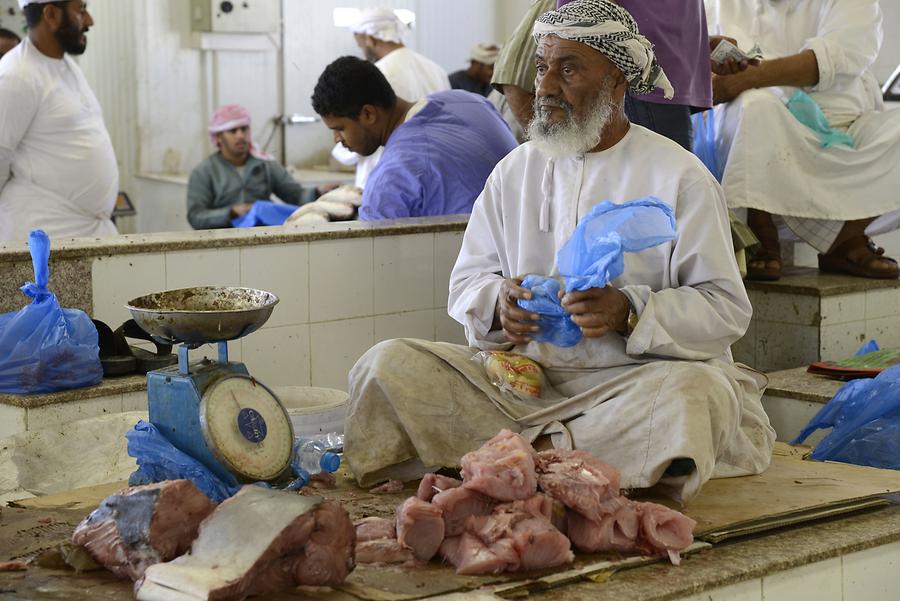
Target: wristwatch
(632, 322)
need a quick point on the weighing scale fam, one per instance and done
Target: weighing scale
(213, 410)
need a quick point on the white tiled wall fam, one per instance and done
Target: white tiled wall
(14, 420)
(336, 298)
(870, 575)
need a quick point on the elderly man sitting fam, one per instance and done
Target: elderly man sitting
(438, 151)
(833, 188)
(230, 180)
(651, 388)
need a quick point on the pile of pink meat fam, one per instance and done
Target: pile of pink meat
(518, 510)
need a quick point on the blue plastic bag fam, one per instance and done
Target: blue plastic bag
(864, 417)
(159, 460)
(808, 112)
(705, 141)
(43, 347)
(265, 212)
(556, 324)
(593, 257)
(869, 347)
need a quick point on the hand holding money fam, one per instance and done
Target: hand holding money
(727, 59)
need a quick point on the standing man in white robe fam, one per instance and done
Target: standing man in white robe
(831, 197)
(58, 169)
(652, 388)
(379, 34)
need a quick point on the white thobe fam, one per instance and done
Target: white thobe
(775, 163)
(669, 390)
(413, 77)
(58, 169)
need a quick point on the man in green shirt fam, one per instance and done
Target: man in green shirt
(229, 181)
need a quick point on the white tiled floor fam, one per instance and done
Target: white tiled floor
(414, 324)
(283, 271)
(404, 273)
(340, 279)
(446, 251)
(215, 267)
(279, 356)
(335, 348)
(117, 280)
(873, 574)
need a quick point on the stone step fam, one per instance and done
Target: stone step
(807, 316)
(793, 397)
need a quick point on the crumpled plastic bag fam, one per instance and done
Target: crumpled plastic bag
(808, 112)
(864, 417)
(593, 257)
(263, 213)
(513, 373)
(159, 460)
(43, 347)
(704, 127)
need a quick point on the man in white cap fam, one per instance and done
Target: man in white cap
(379, 34)
(58, 169)
(477, 77)
(651, 387)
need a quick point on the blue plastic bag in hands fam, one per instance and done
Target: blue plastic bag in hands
(43, 347)
(265, 212)
(864, 417)
(595, 254)
(159, 460)
(556, 324)
(808, 112)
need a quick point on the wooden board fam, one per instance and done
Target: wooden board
(791, 491)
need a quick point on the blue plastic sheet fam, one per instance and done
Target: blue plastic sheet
(808, 112)
(593, 257)
(864, 417)
(556, 324)
(265, 212)
(45, 348)
(159, 460)
(869, 347)
(705, 141)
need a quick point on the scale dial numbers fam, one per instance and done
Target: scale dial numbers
(247, 428)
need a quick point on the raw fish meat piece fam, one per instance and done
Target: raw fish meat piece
(140, 526)
(383, 550)
(664, 531)
(539, 506)
(458, 505)
(389, 487)
(420, 527)
(432, 484)
(470, 556)
(615, 532)
(374, 528)
(503, 468)
(257, 542)
(580, 481)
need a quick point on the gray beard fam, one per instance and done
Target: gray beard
(572, 136)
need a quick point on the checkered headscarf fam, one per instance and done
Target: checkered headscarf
(611, 30)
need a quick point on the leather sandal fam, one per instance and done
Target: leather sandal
(859, 256)
(769, 250)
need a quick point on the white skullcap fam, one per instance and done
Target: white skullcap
(24, 3)
(380, 23)
(485, 53)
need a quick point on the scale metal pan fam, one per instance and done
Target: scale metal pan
(203, 314)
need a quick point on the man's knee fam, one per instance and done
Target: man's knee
(758, 102)
(390, 355)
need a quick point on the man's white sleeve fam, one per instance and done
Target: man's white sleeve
(478, 274)
(707, 309)
(18, 106)
(848, 40)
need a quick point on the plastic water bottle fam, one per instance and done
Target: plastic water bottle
(312, 456)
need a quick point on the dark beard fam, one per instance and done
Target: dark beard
(69, 36)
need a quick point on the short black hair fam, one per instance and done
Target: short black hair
(9, 35)
(349, 83)
(35, 12)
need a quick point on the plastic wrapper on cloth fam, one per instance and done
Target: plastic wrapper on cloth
(556, 325)
(513, 373)
(43, 347)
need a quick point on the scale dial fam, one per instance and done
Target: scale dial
(247, 428)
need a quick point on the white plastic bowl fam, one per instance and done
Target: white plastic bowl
(314, 410)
